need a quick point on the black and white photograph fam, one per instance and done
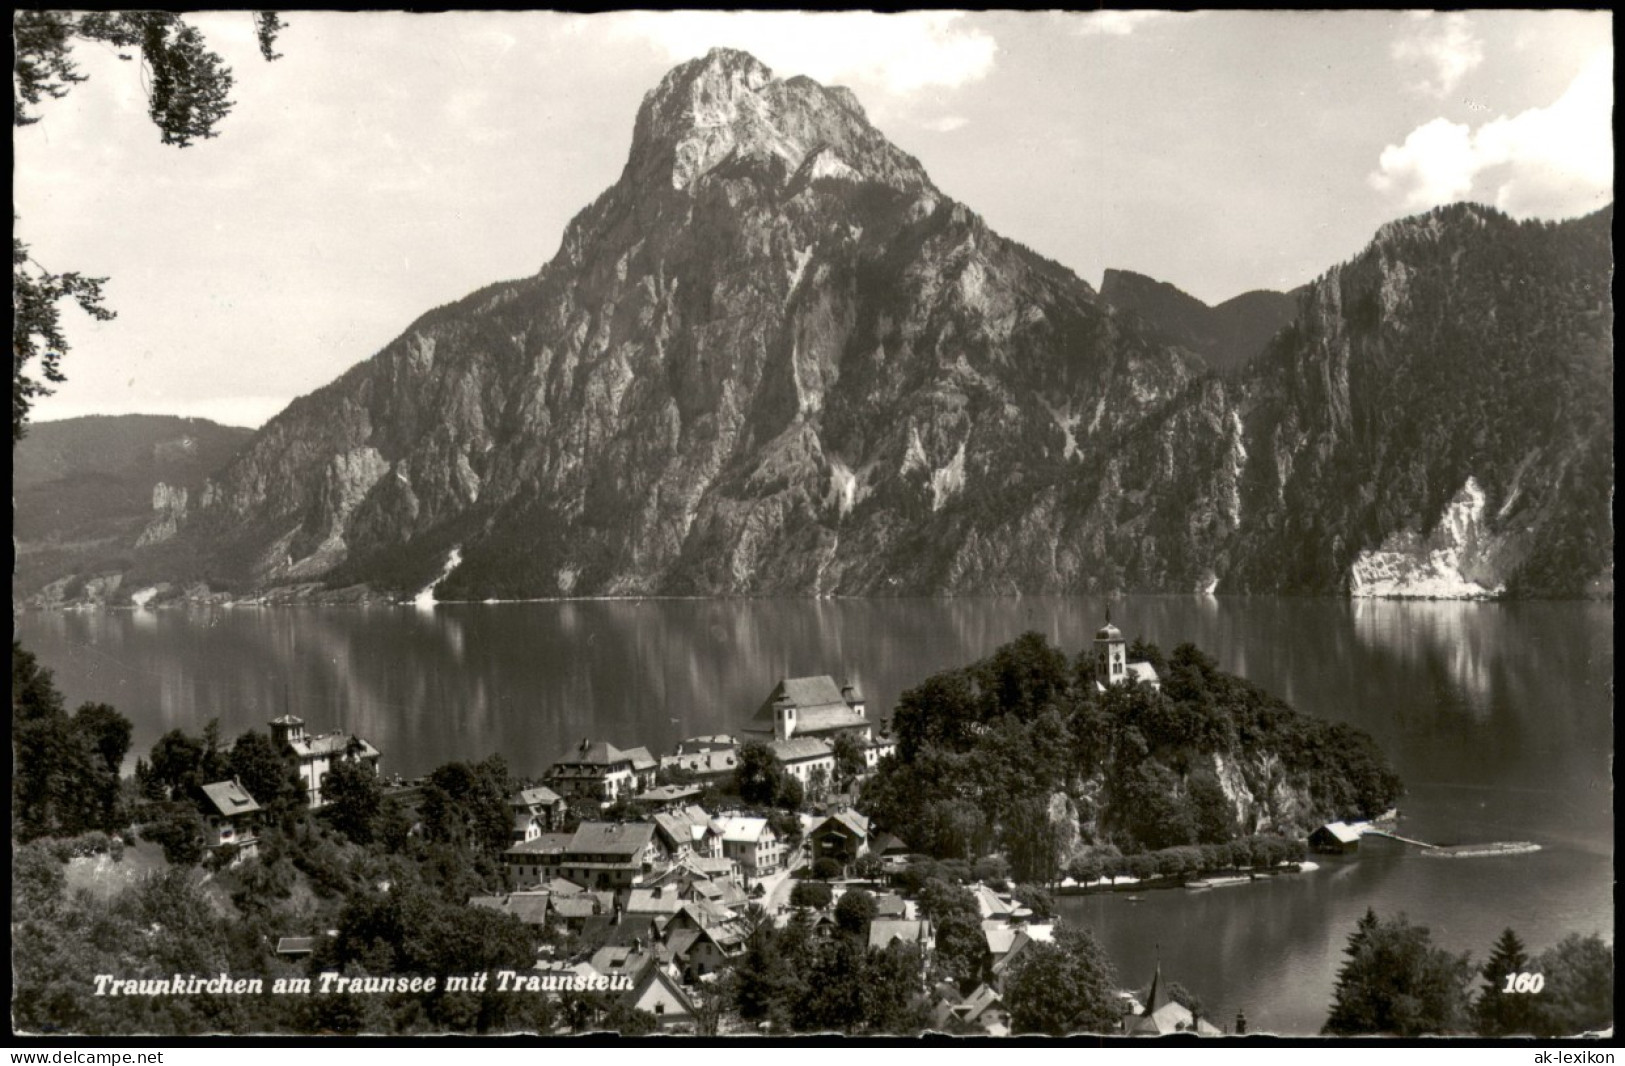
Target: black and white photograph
(765, 525)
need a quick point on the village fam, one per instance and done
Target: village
(651, 873)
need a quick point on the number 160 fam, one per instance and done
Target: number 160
(1525, 982)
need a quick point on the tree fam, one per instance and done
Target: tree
(1037, 900)
(889, 1000)
(939, 900)
(855, 911)
(65, 778)
(1396, 982)
(788, 792)
(1069, 986)
(179, 763)
(962, 951)
(107, 731)
(762, 975)
(354, 800)
(626, 1020)
(849, 760)
(36, 328)
(467, 805)
(37, 880)
(1142, 650)
(188, 93)
(1500, 1010)
(264, 772)
(1032, 840)
(1086, 868)
(813, 894)
(756, 778)
(180, 834)
(1210, 807)
(1178, 993)
(992, 870)
(408, 930)
(712, 999)
(832, 998)
(1578, 994)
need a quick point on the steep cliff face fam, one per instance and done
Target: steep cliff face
(1448, 390)
(774, 358)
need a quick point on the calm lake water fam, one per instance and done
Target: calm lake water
(1499, 717)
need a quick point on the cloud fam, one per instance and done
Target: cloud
(1435, 165)
(901, 53)
(1550, 161)
(1443, 46)
(1116, 23)
(946, 124)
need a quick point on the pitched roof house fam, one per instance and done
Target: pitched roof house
(536, 811)
(611, 855)
(228, 812)
(688, 831)
(843, 836)
(537, 859)
(753, 844)
(810, 706)
(884, 931)
(598, 771)
(1335, 837)
(710, 765)
(316, 754)
(804, 756)
(531, 908)
(704, 950)
(660, 994)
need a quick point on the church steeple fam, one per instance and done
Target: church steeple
(1151, 1003)
(1111, 653)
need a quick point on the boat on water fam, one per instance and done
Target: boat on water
(1216, 882)
(1195, 885)
(1134, 899)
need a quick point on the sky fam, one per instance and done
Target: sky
(391, 163)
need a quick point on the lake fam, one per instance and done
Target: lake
(1499, 717)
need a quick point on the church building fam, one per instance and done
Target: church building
(810, 707)
(1111, 660)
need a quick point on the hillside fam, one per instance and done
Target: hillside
(87, 489)
(1226, 335)
(1024, 750)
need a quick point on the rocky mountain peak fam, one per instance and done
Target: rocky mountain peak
(728, 105)
(1438, 224)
